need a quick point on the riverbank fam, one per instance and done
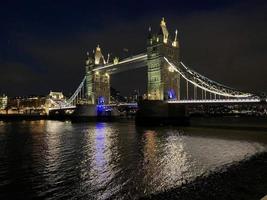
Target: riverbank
(231, 122)
(246, 180)
(21, 117)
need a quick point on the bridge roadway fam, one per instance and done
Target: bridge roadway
(218, 101)
(62, 108)
(207, 101)
(70, 107)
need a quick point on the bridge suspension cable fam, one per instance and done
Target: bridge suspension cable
(202, 82)
(78, 94)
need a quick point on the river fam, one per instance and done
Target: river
(64, 160)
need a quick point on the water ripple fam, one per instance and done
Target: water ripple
(59, 160)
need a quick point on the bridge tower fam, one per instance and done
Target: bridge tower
(163, 83)
(97, 83)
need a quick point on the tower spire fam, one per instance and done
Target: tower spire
(99, 58)
(149, 33)
(98, 48)
(175, 42)
(164, 30)
(163, 23)
(108, 57)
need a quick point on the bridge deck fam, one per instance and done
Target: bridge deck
(216, 101)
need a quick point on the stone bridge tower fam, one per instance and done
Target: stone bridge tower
(163, 82)
(97, 83)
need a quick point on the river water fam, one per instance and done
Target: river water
(62, 160)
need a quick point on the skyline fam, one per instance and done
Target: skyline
(46, 47)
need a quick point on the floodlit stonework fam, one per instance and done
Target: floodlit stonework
(97, 82)
(163, 83)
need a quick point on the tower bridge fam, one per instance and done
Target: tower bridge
(169, 79)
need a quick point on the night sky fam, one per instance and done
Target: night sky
(43, 44)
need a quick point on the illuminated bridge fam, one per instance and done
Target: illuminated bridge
(169, 79)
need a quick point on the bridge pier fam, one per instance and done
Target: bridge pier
(159, 112)
(92, 112)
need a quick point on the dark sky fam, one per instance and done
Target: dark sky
(43, 44)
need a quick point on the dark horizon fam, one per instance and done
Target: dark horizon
(44, 45)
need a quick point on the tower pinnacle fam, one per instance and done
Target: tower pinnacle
(98, 48)
(175, 42)
(164, 30)
(99, 58)
(149, 36)
(163, 23)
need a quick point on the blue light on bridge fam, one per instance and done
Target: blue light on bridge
(100, 105)
(171, 94)
(102, 109)
(101, 101)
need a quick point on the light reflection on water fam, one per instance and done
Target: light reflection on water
(50, 159)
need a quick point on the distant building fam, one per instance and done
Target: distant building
(26, 102)
(135, 95)
(55, 100)
(56, 95)
(3, 102)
